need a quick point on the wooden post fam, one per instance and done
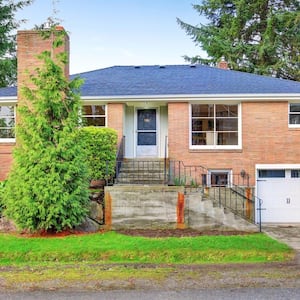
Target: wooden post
(180, 211)
(248, 202)
(108, 210)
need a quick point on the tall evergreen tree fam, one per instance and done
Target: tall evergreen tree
(8, 25)
(47, 188)
(259, 36)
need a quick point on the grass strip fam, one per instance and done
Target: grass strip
(111, 247)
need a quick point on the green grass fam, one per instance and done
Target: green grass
(111, 247)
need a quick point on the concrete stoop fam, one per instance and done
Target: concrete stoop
(202, 214)
(143, 206)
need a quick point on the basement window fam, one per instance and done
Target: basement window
(219, 177)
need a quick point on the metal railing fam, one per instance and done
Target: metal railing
(141, 172)
(186, 175)
(234, 193)
(110, 178)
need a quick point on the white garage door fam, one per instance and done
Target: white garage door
(280, 194)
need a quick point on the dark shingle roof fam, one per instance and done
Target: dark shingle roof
(175, 80)
(8, 91)
(179, 80)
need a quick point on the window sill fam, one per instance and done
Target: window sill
(293, 127)
(7, 141)
(216, 150)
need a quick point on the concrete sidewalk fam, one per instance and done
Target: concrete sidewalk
(286, 233)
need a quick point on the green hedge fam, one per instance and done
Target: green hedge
(2, 185)
(101, 150)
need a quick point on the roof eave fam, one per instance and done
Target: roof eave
(198, 97)
(8, 99)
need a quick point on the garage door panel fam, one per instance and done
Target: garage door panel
(280, 199)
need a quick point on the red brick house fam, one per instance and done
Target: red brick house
(226, 121)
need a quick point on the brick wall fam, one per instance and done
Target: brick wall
(266, 139)
(115, 116)
(5, 159)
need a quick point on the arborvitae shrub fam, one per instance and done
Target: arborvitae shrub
(47, 188)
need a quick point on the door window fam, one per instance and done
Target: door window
(146, 126)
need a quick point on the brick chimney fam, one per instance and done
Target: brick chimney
(30, 44)
(223, 64)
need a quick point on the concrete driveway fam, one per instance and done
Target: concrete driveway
(286, 233)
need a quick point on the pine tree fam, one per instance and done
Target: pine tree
(8, 24)
(47, 188)
(259, 36)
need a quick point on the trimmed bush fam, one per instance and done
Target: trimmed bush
(101, 149)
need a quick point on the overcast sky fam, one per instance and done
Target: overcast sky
(106, 33)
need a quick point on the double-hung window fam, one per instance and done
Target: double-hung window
(7, 123)
(294, 115)
(215, 126)
(94, 115)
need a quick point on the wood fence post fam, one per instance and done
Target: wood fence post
(180, 211)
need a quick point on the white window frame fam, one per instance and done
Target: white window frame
(95, 116)
(217, 147)
(10, 140)
(229, 176)
(293, 113)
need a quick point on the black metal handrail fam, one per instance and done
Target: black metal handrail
(121, 149)
(186, 175)
(166, 158)
(110, 178)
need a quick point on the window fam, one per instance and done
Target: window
(295, 173)
(7, 123)
(294, 115)
(219, 177)
(214, 125)
(94, 115)
(271, 173)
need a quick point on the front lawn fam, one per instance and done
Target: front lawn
(112, 247)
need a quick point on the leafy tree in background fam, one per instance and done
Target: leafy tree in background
(259, 36)
(47, 188)
(8, 25)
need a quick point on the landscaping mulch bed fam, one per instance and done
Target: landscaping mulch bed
(156, 233)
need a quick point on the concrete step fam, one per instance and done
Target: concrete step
(143, 171)
(141, 175)
(139, 181)
(201, 213)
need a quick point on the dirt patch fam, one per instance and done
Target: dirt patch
(157, 233)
